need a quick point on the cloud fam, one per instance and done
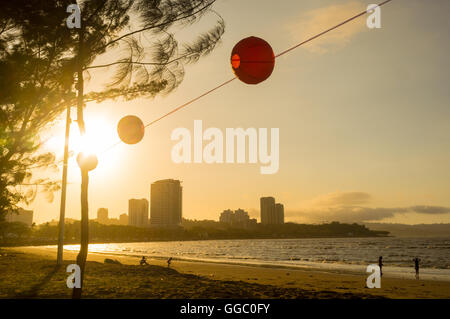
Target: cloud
(341, 199)
(315, 21)
(432, 210)
(347, 207)
(358, 214)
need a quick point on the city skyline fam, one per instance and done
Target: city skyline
(359, 154)
(141, 208)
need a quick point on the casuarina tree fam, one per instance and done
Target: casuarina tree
(138, 37)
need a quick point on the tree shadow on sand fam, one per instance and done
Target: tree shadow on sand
(34, 290)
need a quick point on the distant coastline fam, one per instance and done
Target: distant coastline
(419, 230)
(46, 234)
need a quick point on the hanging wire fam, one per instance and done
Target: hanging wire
(234, 78)
(328, 30)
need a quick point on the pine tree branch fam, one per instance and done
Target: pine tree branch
(156, 26)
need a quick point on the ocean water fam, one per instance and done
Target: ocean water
(337, 254)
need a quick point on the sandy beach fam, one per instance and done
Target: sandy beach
(29, 272)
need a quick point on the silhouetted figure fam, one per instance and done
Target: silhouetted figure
(169, 261)
(416, 266)
(380, 264)
(143, 261)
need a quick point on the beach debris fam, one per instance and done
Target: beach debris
(112, 261)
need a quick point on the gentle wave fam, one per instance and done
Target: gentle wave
(338, 254)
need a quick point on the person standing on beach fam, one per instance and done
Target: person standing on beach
(416, 266)
(380, 264)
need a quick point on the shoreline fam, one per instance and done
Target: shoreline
(391, 271)
(317, 280)
(76, 242)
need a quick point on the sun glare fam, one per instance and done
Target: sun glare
(99, 136)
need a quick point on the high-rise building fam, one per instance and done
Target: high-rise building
(271, 213)
(21, 216)
(241, 216)
(102, 215)
(166, 203)
(267, 209)
(226, 216)
(279, 213)
(123, 219)
(238, 218)
(138, 212)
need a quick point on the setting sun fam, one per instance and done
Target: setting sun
(100, 136)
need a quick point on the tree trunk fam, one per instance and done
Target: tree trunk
(62, 212)
(80, 83)
(82, 255)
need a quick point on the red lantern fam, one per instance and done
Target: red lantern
(87, 162)
(131, 129)
(252, 60)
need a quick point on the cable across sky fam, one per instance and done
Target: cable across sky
(276, 56)
(178, 108)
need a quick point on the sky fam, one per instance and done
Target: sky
(363, 117)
